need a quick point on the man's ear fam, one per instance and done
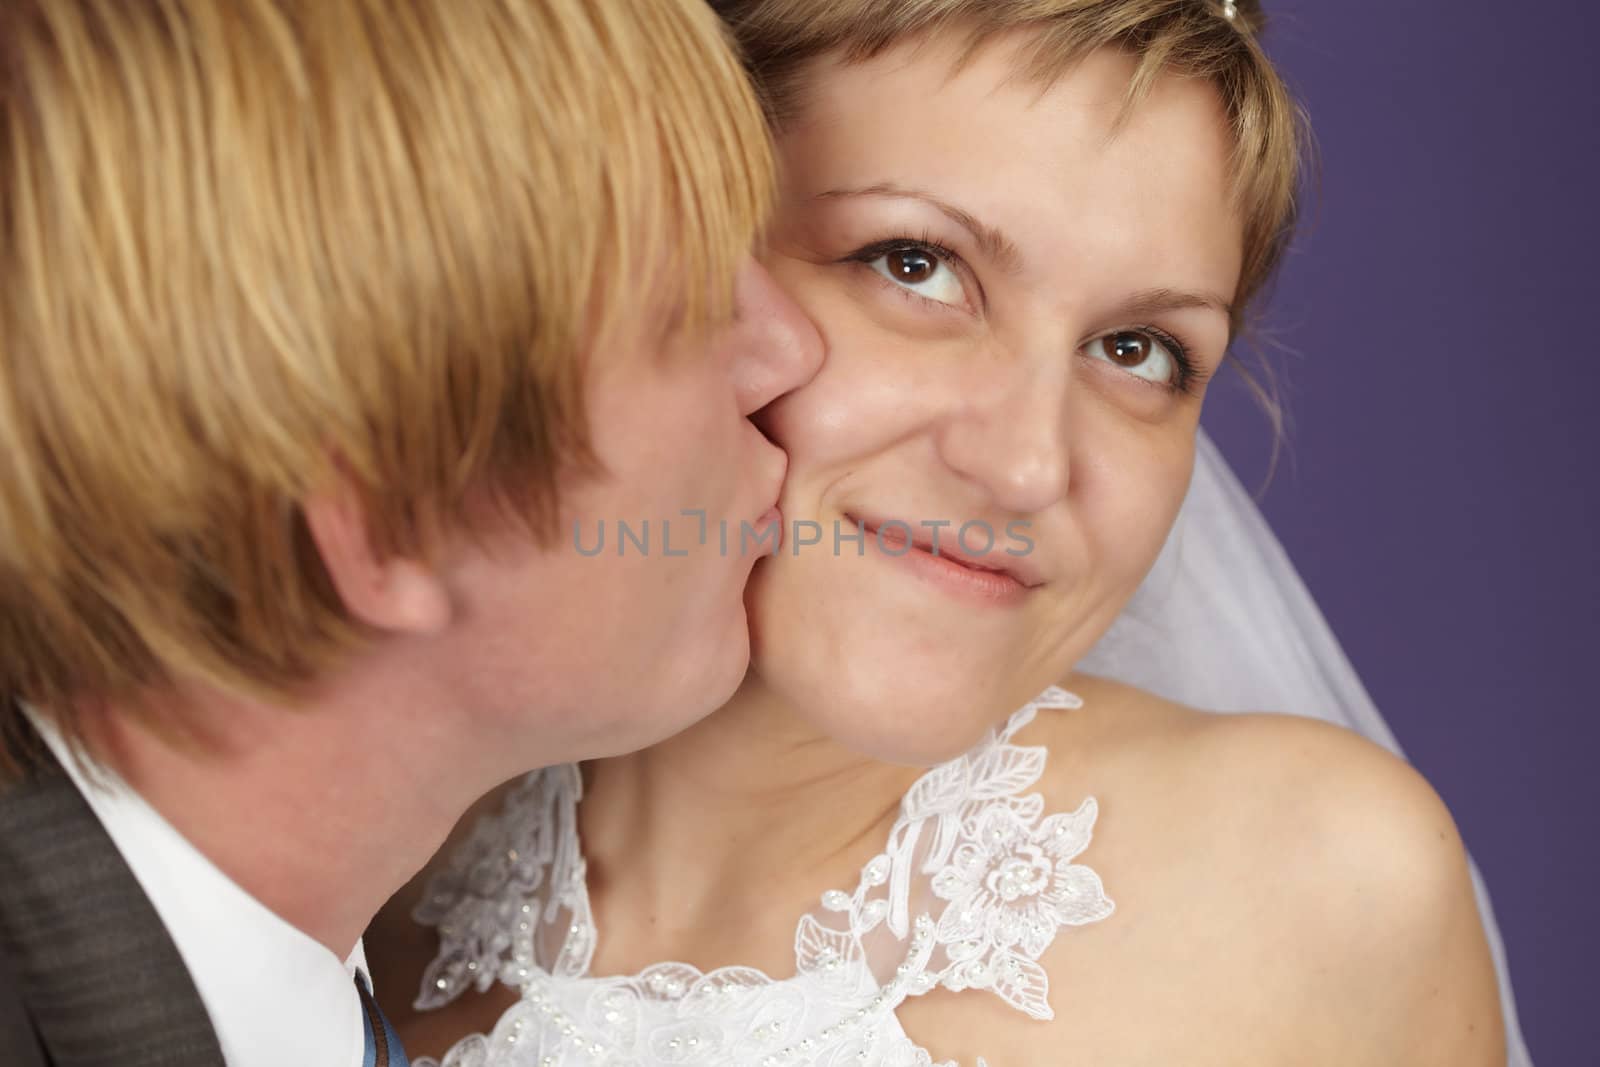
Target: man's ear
(392, 593)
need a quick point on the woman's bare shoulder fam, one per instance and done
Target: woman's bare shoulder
(1269, 859)
(1289, 778)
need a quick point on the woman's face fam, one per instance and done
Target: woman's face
(1021, 302)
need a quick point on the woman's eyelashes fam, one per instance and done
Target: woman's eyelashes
(932, 274)
(1148, 353)
(920, 268)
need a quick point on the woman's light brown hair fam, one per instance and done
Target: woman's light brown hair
(243, 241)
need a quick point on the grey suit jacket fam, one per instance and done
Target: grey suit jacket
(88, 974)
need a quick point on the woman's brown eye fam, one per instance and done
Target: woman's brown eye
(1138, 352)
(1128, 349)
(911, 266)
(922, 272)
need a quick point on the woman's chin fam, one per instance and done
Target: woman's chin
(906, 724)
(908, 687)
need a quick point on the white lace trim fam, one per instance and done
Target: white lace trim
(973, 886)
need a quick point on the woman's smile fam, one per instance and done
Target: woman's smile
(965, 560)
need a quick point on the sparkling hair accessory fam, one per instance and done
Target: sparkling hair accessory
(1230, 10)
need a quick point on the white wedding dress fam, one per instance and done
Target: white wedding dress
(974, 882)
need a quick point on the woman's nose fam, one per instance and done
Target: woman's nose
(774, 348)
(1010, 437)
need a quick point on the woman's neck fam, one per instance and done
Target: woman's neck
(740, 821)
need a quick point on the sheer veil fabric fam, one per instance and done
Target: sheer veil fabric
(1224, 622)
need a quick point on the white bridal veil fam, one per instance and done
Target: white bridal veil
(1223, 622)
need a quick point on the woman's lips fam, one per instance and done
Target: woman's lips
(963, 577)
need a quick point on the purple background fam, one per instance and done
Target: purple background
(1438, 490)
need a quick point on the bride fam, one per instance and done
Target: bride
(913, 836)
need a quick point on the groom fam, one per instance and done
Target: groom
(322, 323)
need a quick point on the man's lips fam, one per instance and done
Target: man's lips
(780, 467)
(891, 534)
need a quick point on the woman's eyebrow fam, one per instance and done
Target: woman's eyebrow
(1155, 301)
(992, 242)
(1005, 254)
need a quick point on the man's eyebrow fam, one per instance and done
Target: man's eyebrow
(992, 242)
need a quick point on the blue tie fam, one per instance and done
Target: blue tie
(383, 1044)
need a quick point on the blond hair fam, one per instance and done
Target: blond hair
(780, 39)
(243, 242)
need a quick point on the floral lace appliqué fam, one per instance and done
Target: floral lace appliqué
(973, 886)
(515, 885)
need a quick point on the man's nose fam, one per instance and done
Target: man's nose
(775, 348)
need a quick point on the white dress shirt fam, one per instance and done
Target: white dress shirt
(275, 996)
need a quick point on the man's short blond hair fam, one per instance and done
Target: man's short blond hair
(243, 242)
